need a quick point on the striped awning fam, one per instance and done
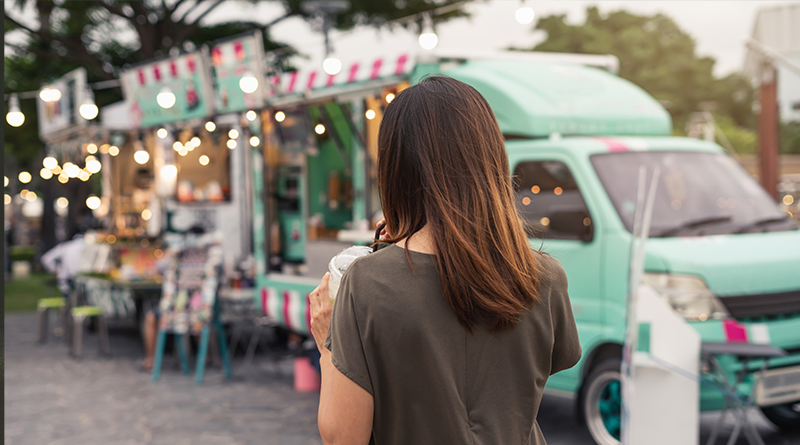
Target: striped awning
(312, 78)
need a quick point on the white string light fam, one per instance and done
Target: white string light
(524, 15)
(165, 98)
(428, 38)
(248, 83)
(15, 118)
(88, 109)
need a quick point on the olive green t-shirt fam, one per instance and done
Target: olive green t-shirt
(433, 382)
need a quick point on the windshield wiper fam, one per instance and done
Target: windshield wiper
(695, 223)
(762, 222)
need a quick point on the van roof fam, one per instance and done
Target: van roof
(590, 145)
(535, 99)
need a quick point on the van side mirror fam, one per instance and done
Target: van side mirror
(572, 220)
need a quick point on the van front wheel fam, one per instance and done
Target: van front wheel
(600, 402)
(785, 417)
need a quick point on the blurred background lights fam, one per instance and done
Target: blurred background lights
(6, 181)
(84, 175)
(183, 151)
(25, 177)
(50, 94)
(30, 196)
(251, 115)
(71, 170)
(195, 141)
(233, 134)
(56, 170)
(428, 38)
(389, 98)
(248, 83)
(93, 166)
(62, 202)
(204, 160)
(141, 157)
(370, 114)
(88, 109)
(7, 199)
(50, 162)
(147, 214)
(113, 150)
(788, 200)
(231, 143)
(280, 116)
(63, 178)
(165, 98)
(177, 145)
(91, 148)
(169, 172)
(254, 141)
(331, 65)
(162, 133)
(524, 15)
(211, 126)
(319, 129)
(15, 118)
(93, 202)
(45, 173)
(104, 149)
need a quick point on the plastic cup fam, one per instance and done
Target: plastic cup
(339, 264)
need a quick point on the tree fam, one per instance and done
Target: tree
(658, 56)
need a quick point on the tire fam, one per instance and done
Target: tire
(785, 416)
(600, 402)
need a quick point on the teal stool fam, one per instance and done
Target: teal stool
(44, 306)
(81, 313)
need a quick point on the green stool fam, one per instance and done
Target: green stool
(81, 313)
(43, 306)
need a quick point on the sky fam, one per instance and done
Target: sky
(719, 27)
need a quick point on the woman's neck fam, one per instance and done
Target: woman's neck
(419, 242)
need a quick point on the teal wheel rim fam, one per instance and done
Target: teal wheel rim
(610, 405)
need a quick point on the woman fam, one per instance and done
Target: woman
(448, 335)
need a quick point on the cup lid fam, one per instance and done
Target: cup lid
(339, 263)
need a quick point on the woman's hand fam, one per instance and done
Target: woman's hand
(383, 233)
(321, 309)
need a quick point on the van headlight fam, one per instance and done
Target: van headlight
(688, 295)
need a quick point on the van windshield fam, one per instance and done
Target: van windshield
(698, 193)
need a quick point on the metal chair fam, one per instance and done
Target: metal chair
(79, 315)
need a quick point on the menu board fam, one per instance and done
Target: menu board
(231, 59)
(190, 286)
(186, 76)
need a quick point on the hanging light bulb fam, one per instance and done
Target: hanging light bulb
(45, 173)
(15, 118)
(88, 109)
(210, 126)
(25, 177)
(231, 143)
(141, 156)
(165, 98)
(524, 15)
(233, 134)
(251, 115)
(71, 170)
(91, 148)
(319, 129)
(428, 38)
(113, 150)
(280, 116)
(195, 141)
(161, 133)
(248, 83)
(254, 141)
(204, 160)
(50, 94)
(93, 166)
(331, 65)
(370, 114)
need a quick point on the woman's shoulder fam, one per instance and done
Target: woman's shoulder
(552, 273)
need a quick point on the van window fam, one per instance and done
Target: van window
(544, 187)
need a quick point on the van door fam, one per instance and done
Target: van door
(559, 222)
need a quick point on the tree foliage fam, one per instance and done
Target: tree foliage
(658, 56)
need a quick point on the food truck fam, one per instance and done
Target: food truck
(721, 251)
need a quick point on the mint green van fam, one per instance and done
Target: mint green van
(719, 246)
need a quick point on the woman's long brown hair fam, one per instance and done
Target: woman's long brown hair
(442, 163)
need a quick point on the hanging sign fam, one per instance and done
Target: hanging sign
(59, 116)
(185, 76)
(237, 65)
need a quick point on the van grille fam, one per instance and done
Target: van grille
(763, 305)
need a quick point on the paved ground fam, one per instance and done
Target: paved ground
(52, 399)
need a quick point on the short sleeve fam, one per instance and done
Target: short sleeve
(566, 344)
(345, 340)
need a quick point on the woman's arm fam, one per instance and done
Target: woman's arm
(345, 408)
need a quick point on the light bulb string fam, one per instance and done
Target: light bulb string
(102, 85)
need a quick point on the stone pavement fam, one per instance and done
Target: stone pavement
(52, 399)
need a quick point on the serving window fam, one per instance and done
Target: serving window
(204, 169)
